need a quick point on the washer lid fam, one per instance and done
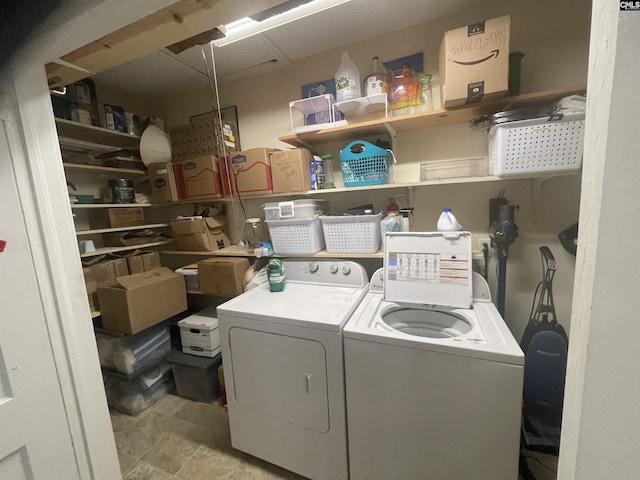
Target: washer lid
(428, 268)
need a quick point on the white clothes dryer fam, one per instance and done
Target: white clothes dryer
(433, 374)
(284, 369)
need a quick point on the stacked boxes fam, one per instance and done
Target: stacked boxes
(192, 141)
(198, 178)
(248, 172)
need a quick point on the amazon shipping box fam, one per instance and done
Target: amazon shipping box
(474, 62)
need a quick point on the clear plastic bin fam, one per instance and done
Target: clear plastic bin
(134, 394)
(454, 168)
(131, 354)
(295, 210)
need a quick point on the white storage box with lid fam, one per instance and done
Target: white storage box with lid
(536, 146)
(296, 209)
(352, 233)
(199, 333)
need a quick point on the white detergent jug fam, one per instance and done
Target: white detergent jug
(448, 222)
(347, 80)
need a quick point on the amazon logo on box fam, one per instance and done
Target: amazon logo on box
(474, 62)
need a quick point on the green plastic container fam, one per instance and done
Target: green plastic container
(276, 275)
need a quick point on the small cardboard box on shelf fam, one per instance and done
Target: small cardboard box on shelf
(144, 262)
(198, 178)
(474, 62)
(134, 302)
(222, 276)
(249, 171)
(108, 271)
(291, 171)
(116, 217)
(163, 182)
(206, 234)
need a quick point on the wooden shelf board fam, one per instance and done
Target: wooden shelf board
(230, 251)
(111, 205)
(98, 135)
(105, 170)
(385, 186)
(121, 229)
(239, 251)
(105, 250)
(434, 118)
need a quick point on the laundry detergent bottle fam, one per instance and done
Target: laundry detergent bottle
(347, 80)
(448, 222)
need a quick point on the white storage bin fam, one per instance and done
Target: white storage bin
(191, 278)
(352, 234)
(537, 146)
(199, 333)
(296, 236)
(297, 209)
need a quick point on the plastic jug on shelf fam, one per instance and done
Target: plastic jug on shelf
(448, 222)
(347, 80)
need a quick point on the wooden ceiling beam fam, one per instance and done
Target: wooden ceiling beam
(176, 23)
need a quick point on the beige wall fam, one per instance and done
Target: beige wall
(555, 39)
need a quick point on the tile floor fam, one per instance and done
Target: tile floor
(179, 439)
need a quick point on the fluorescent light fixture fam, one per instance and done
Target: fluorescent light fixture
(246, 27)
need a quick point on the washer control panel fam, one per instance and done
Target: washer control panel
(329, 271)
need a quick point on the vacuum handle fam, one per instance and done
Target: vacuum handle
(549, 259)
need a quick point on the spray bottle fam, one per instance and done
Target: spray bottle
(405, 218)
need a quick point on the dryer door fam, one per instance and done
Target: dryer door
(281, 377)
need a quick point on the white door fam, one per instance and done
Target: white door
(35, 441)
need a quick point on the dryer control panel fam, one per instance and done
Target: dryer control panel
(329, 272)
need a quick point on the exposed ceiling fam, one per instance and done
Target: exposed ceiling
(165, 73)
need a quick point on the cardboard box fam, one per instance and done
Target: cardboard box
(144, 262)
(474, 62)
(106, 272)
(135, 302)
(91, 284)
(116, 217)
(291, 170)
(206, 234)
(198, 178)
(222, 276)
(193, 140)
(163, 182)
(250, 170)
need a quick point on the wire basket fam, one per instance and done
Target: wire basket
(296, 236)
(536, 146)
(363, 163)
(352, 234)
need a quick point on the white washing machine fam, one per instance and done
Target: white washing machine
(433, 374)
(284, 369)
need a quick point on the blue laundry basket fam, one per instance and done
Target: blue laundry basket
(362, 163)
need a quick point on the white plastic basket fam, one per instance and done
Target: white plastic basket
(352, 234)
(296, 236)
(536, 146)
